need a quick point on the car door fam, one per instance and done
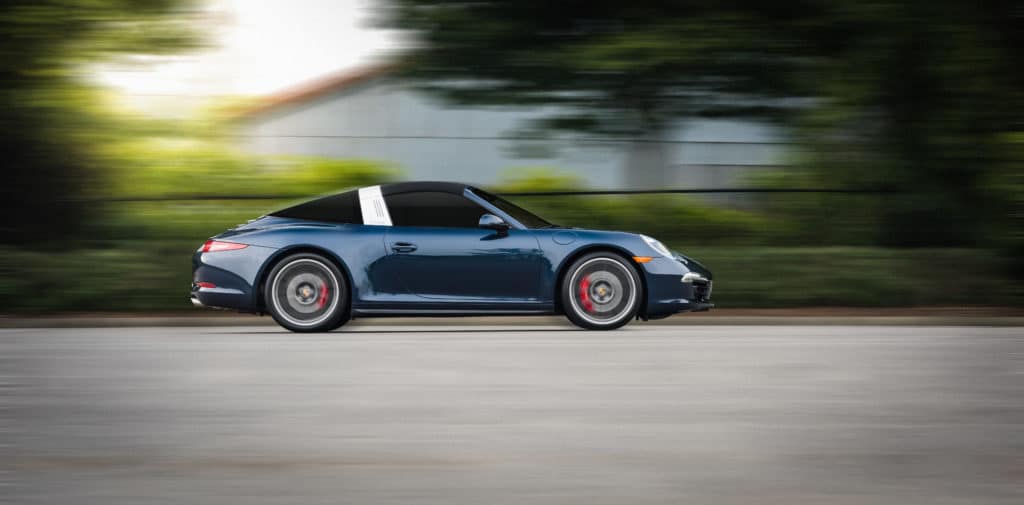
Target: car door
(438, 252)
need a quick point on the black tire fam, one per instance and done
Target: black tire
(307, 293)
(601, 291)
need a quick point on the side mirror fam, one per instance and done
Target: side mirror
(492, 222)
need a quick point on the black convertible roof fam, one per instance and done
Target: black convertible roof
(344, 207)
(414, 186)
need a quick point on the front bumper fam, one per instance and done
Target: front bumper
(700, 286)
(673, 287)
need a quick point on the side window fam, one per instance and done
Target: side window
(339, 208)
(430, 208)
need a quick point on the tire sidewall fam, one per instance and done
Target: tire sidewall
(568, 306)
(341, 309)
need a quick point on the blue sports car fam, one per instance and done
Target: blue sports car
(433, 249)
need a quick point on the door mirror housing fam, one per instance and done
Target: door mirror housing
(492, 222)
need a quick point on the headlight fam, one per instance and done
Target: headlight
(657, 246)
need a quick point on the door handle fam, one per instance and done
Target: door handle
(403, 247)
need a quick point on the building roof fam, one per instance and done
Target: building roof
(319, 87)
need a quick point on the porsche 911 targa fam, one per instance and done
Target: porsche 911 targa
(438, 249)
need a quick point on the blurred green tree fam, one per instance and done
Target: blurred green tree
(907, 94)
(49, 122)
(622, 69)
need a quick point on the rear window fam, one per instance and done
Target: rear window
(340, 208)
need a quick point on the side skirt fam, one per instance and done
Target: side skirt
(446, 312)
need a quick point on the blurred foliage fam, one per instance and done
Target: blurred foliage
(49, 122)
(167, 167)
(622, 68)
(200, 187)
(818, 219)
(137, 254)
(1009, 186)
(856, 276)
(918, 96)
(672, 218)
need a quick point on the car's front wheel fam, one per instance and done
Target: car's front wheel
(601, 291)
(307, 293)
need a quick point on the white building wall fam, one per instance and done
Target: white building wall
(431, 140)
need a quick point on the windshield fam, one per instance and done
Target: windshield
(527, 218)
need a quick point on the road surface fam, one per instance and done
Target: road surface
(816, 415)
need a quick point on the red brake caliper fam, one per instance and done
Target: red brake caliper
(320, 302)
(585, 294)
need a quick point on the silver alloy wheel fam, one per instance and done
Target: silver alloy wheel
(310, 294)
(599, 295)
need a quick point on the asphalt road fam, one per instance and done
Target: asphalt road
(820, 415)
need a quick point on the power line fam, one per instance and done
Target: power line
(518, 138)
(267, 197)
(698, 191)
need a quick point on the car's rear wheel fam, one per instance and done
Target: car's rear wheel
(601, 291)
(307, 293)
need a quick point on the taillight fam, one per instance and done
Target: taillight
(217, 246)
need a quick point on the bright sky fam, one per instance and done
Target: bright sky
(264, 46)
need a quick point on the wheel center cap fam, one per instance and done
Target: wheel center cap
(305, 294)
(602, 292)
